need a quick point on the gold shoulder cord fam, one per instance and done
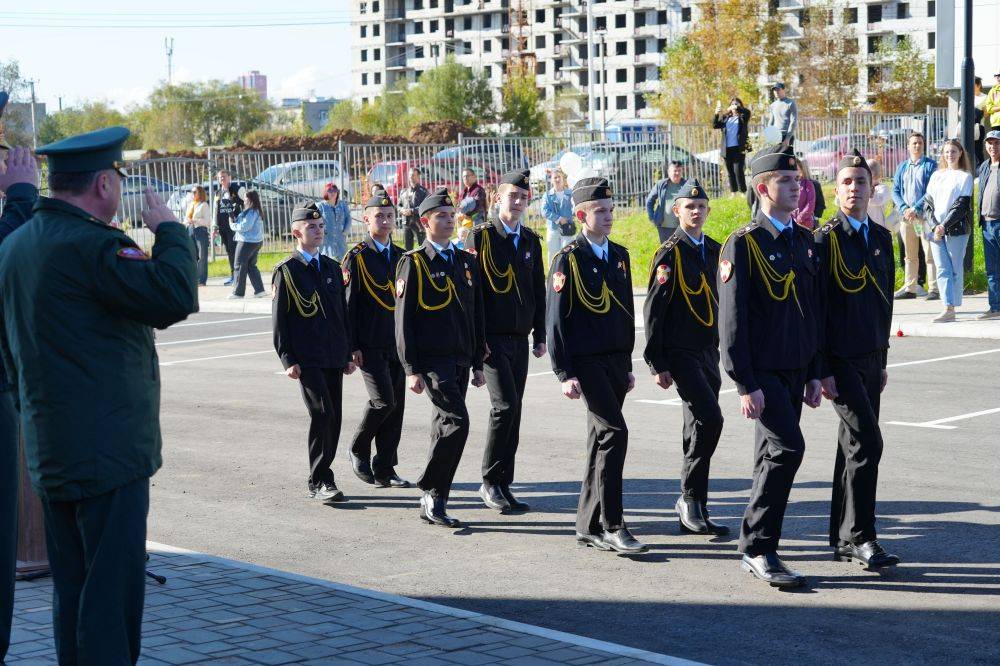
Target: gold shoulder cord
(772, 277)
(600, 304)
(703, 288)
(491, 270)
(373, 287)
(840, 271)
(449, 288)
(307, 308)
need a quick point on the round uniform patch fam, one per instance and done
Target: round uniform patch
(347, 275)
(662, 273)
(725, 270)
(400, 285)
(558, 280)
(133, 253)
(471, 250)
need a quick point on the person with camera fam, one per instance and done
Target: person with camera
(734, 123)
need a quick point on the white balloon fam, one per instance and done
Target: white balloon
(242, 193)
(570, 163)
(580, 174)
(772, 135)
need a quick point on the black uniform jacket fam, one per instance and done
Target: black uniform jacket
(681, 315)
(371, 284)
(439, 310)
(857, 289)
(513, 281)
(768, 303)
(589, 310)
(309, 313)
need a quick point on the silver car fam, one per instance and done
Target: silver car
(307, 177)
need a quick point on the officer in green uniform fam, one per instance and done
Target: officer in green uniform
(79, 303)
(19, 187)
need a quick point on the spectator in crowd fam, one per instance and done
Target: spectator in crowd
(199, 218)
(227, 206)
(660, 201)
(473, 190)
(557, 209)
(882, 209)
(409, 201)
(989, 220)
(991, 106)
(949, 195)
(336, 220)
(784, 114)
(249, 235)
(805, 216)
(735, 125)
(909, 187)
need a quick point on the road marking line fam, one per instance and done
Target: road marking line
(936, 424)
(219, 321)
(218, 337)
(212, 358)
(942, 358)
(677, 402)
(549, 372)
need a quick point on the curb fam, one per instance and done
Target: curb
(488, 620)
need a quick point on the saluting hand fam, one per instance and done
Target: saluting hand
(663, 380)
(415, 383)
(21, 168)
(155, 211)
(571, 388)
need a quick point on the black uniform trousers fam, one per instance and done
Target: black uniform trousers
(228, 238)
(446, 384)
(322, 391)
(506, 370)
(9, 478)
(382, 421)
(859, 449)
(696, 374)
(778, 454)
(604, 382)
(97, 553)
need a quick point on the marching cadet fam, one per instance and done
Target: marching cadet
(370, 276)
(768, 314)
(591, 330)
(682, 346)
(312, 339)
(858, 277)
(439, 336)
(513, 284)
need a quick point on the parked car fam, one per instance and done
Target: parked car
(438, 172)
(307, 177)
(132, 202)
(825, 153)
(499, 156)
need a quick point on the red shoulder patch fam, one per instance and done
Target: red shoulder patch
(558, 281)
(662, 273)
(133, 253)
(725, 270)
(400, 285)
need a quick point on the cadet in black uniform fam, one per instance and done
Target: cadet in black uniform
(369, 275)
(768, 314)
(682, 346)
(510, 261)
(591, 330)
(439, 336)
(858, 275)
(312, 338)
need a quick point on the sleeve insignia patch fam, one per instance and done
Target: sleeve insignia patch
(662, 273)
(725, 270)
(400, 285)
(558, 281)
(133, 253)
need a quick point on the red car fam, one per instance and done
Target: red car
(823, 155)
(438, 172)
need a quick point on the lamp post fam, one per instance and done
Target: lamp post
(966, 110)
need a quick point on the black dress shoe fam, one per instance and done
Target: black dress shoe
(362, 469)
(492, 497)
(391, 480)
(311, 489)
(870, 554)
(432, 510)
(713, 527)
(513, 502)
(770, 569)
(622, 541)
(329, 492)
(592, 541)
(689, 515)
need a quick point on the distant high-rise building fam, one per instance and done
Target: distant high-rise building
(254, 80)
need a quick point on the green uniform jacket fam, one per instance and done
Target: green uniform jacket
(78, 302)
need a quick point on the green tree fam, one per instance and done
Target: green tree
(16, 124)
(452, 92)
(88, 117)
(522, 112)
(828, 62)
(343, 115)
(905, 79)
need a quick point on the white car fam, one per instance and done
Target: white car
(308, 177)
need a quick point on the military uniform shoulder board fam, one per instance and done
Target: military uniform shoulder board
(742, 231)
(481, 226)
(528, 231)
(827, 228)
(669, 243)
(569, 248)
(354, 251)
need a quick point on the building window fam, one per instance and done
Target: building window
(931, 40)
(686, 14)
(621, 48)
(467, 23)
(620, 21)
(364, 31)
(377, 54)
(364, 78)
(851, 15)
(873, 43)
(364, 55)
(621, 76)
(418, 4)
(488, 20)
(661, 17)
(601, 23)
(640, 74)
(378, 78)
(900, 39)
(433, 4)
(364, 101)
(661, 45)
(903, 10)
(540, 68)
(418, 27)
(621, 102)
(539, 16)
(376, 30)
(375, 7)
(640, 19)
(556, 39)
(540, 42)
(640, 101)
(363, 8)
(488, 71)
(851, 46)
(488, 46)
(466, 47)
(434, 26)
(874, 13)
(640, 46)
(874, 76)
(418, 51)
(931, 8)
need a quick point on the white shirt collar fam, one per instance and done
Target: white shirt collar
(857, 224)
(777, 224)
(440, 248)
(693, 239)
(378, 245)
(308, 257)
(516, 231)
(600, 251)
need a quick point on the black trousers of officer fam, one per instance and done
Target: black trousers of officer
(382, 421)
(446, 385)
(228, 238)
(97, 553)
(322, 391)
(604, 382)
(698, 381)
(778, 454)
(9, 480)
(859, 449)
(506, 370)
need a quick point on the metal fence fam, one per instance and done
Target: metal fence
(287, 179)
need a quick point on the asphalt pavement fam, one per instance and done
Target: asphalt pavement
(233, 485)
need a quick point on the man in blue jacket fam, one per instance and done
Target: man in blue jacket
(909, 187)
(660, 201)
(989, 220)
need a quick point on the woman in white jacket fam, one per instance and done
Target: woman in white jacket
(949, 194)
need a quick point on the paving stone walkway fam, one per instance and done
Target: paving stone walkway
(215, 611)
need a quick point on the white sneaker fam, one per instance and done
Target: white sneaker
(233, 296)
(260, 294)
(921, 291)
(945, 317)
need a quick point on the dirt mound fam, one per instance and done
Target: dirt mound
(439, 131)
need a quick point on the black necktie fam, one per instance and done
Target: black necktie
(447, 255)
(314, 263)
(385, 253)
(864, 233)
(787, 234)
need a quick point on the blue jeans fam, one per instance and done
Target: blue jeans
(200, 235)
(991, 252)
(949, 255)
(334, 245)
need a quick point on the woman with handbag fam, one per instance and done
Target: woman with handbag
(557, 209)
(949, 195)
(734, 123)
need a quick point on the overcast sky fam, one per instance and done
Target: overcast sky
(114, 51)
